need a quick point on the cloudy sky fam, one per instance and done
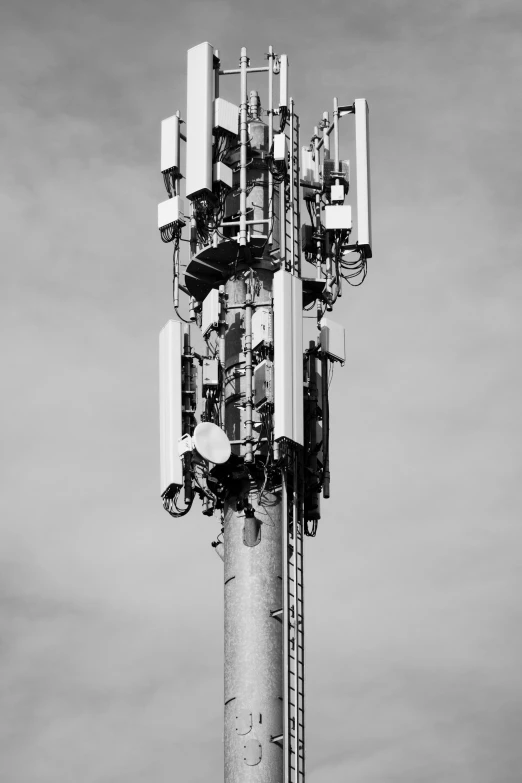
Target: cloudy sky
(111, 612)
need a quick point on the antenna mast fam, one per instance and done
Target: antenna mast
(245, 422)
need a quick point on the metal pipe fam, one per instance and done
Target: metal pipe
(243, 141)
(328, 132)
(222, 327)
(326, 137)
(336, 134)
(193, 242)
(316, 153)
(176, 275)
(249, 457)
(329, 268)
(246, 222)
(270, 142)
(230, 71)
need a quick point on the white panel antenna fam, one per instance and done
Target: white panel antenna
(261, 327)
(226, 116)
(283, 81)
(210, 312)
(200, 118)
(222, 174)
(307, 165)
(297, 360)
(170, 360)
(170, 213)
(170, 144)
(362, 156)
(283, 365)
(288, 357)
(333, 340)
(280, 147)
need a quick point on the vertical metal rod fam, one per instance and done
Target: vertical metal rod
(326, 427)
(177, 179)
(221, 333)
(326, 136)
(243, 141)
(176, 275)
(193, 242)
(249, 457)
(336, 132)
(286, 622)
(316, 153)
(270, 142)
(328, 266)
(336, 136)
(292, 194)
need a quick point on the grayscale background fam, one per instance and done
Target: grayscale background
(110, 611)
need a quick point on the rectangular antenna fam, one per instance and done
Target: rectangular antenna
(362, 155)
(170, 357)
(283, 81)
(297, 360)
(170, 136)
(288, 357)
(200, 119)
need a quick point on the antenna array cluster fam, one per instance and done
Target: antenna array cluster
(245, 180)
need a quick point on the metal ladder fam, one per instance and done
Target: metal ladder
(292, 226)
(293, 631)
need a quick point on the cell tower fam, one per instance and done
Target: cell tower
(245, 422)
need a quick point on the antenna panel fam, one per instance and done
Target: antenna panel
(170, 212)
(283, 81)
(226, 116)
(170, 144)
(210, 312)
(333, 340)
(297, 359)
(200, 117)
(170, 358)
(307, 165)
(283, 366)
(288, 357)
(362, 156)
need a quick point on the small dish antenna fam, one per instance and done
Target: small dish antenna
(209, 442)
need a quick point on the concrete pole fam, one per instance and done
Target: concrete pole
(252, 583)
(253, 643)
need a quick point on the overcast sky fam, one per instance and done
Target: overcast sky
(111, 612)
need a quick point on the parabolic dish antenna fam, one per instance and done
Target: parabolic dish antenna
(211, 443)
